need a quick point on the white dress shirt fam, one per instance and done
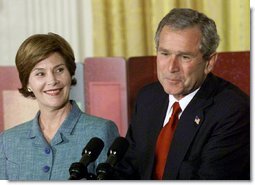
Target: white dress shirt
(183, 104)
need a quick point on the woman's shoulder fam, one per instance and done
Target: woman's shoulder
(18, 130)
(96, 124)
(93, 126)
(88, 119)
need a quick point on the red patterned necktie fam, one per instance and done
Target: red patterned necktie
(164, 142)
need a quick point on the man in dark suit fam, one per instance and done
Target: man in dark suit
(211, 139)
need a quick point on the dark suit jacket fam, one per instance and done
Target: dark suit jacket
(218, 147)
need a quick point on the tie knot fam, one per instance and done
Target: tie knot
(176, 108)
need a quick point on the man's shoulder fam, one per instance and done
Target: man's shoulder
(152, 88)
(214, 86)
(151, 94)
(224, 93)
(227, 88)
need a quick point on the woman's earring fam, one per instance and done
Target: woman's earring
(29, 89)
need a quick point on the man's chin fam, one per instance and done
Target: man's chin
(174, 92)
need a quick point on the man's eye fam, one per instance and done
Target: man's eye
(185, 58)
(164, 53)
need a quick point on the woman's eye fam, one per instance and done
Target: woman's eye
(59, 70)
(39, 74)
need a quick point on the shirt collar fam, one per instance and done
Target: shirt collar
(184, 101)
(71, 120)
(183, 104)
(67, 126)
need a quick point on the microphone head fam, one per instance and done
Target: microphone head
(78, 170)
(93, 148)
(118, 148)
(115, 153)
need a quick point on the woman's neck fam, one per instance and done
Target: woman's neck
(50, 120)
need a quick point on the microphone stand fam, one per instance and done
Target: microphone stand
(78, 171)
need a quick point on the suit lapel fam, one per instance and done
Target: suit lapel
(157, 116)
(189, 123)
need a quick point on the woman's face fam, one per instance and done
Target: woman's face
(50, 81)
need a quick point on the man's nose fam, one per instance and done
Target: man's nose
(173, 64)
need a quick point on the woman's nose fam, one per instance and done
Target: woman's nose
(52, 80)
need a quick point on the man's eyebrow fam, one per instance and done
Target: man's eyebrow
(162, 49)
(178, 52)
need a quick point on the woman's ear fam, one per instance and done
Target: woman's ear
(29, 89)
(210, 63)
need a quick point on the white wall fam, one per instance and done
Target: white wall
(19, 19)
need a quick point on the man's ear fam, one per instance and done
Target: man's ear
(210, 63)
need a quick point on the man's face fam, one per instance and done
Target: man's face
(180, 65)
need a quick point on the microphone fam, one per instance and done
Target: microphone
(78, 170)
(115, 154)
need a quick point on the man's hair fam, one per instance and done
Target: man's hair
(181, 18)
